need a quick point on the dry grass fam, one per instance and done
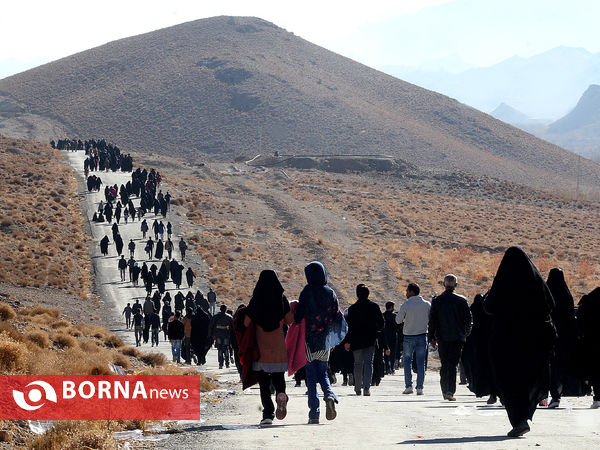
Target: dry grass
(40, 310)
(383, 231)
(13, 354)
(129, 351)
(75, 435)
(43, 244)
(64, 340)
(153, 359)
(6, 312)
(113, 341)
(39, 338)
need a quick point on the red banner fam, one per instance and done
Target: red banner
(100, 397)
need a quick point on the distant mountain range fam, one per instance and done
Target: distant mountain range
(544, 87)
(237, 86)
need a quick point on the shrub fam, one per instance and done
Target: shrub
(60, 324)
(38, 337)
(7, 328)
(64, 340)
(153, 359)
(113, 341)
(13, 354)
(129, 351)
(121, 360)
(38, 310)
(89, 346)
(7, 312)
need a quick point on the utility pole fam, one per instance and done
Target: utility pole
(578, 176)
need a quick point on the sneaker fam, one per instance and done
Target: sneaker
(595, 404)
(367, 393)
(554, 404)
(450, 397)
(493, 399)
(313, 421)
(330, 413)
(519, 430)
(419, 391)
(220, 366)
(266, 421)
(281, 411)
(543, 403)
(298, 384)
(408, 390)
(357, 391)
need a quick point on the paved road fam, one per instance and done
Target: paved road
(108, 279)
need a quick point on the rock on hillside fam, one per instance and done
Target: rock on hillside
(229, 86)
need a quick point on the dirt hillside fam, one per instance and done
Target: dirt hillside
(228, 86)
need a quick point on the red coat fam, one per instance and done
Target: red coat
(246, 337)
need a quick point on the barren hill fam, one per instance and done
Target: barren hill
(227, 86)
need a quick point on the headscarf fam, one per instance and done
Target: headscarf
(268, 305)
(324, 322)
(518, 289)
(563, 315)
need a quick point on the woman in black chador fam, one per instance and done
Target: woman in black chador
(588, 317)
(564, 366)
(521, 338)
(475, 356)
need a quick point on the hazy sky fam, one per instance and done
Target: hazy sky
(376, 32)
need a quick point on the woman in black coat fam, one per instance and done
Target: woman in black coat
(588, 319)
(521, 338)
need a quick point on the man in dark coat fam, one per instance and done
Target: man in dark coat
(521, 338)
(365, 321)
(588, 317)
(450, 323)
(390, 330)
(475, 355)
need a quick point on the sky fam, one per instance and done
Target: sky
(378, 32)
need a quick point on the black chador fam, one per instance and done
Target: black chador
(522, 336)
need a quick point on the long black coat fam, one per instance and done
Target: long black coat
(158, 254)
(475, 356)
(104, 245)
(588, 319)
(522, 334)
(565, 366)
(199, 337)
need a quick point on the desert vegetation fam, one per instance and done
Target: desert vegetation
(382, 230)
(41, 231)
(40, 340)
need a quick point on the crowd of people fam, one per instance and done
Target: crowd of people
(313, 339)
(483, 341)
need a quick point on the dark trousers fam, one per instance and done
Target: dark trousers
(449, 356)
(264, 381)
(596, 387)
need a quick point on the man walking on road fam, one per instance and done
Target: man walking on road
(364, 322)
(127, 314)
(220, 330)
(414, 314)
(450, 323)
(212, 301)
(138, 327)
(122, 267)
(131, 247)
